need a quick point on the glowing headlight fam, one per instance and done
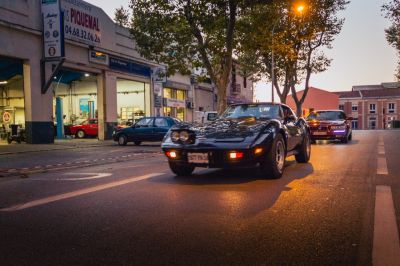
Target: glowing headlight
(184, 136)
(175, 136)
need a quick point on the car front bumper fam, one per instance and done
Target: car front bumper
(217, 158)
(328, 135)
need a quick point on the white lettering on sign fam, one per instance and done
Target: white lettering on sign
(82, 22)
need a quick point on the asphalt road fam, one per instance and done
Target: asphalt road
(135, 212)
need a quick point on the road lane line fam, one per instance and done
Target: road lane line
(386, 246)
(77, 193)
(381, 150)
(382, 166)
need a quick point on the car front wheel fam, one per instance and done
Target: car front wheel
(181, 169)
(137, 143)
(274, 162)
(304, 151)
(122, 140)
(80, 134)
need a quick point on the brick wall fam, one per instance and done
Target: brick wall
(360, 115)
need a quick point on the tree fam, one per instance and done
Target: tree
(318, 29)
(392, 12)
(121, 16)
(190, 34)
(295, 38)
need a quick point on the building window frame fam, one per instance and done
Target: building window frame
(341, 107)
(354, 108)
(372, 108)
(391, 108)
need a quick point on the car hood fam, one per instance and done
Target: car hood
(227, 130)
(326, 122)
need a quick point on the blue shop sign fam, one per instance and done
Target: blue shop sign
(129, 66)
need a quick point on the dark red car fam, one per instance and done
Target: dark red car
(86, 128)
(330, 125)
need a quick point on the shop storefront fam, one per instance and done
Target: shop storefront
(12, 102)
(133, 101)
(174, 103)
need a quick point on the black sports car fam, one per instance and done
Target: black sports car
(260, 134)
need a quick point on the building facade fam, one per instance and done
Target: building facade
(372, 106)
(317, 99)
(101, 75)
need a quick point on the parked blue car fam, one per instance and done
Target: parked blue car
(146, 129)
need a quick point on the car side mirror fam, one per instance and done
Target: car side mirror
(290, 118)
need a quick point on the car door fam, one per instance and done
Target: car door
(143, 129)
(293, 129)
(161, 127)
(93, 127)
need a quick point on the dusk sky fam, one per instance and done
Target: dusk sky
(360, 53)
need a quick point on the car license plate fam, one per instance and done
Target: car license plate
(198, 158)
(319, 133)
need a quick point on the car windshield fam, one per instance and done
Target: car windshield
(326, 115)
(259, 111)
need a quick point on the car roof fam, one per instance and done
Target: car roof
(328, 111)
(259, 103)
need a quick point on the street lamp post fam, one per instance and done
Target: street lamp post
(273, 64)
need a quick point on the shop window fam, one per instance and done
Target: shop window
(12, 104)
(177, 107)
(132, 100)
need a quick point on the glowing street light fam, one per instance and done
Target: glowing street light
(300, 9)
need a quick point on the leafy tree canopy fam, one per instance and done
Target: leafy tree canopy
(392, 12)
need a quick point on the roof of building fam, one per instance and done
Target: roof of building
(349, 94)
(382, 93)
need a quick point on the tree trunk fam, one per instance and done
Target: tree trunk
(221, 95)
(299, 109)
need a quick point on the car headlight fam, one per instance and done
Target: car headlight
(184, 136)
(175, 136)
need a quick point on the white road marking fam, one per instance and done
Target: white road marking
(381, 150)
(382, 166)
(89, 177)
(77, 193)
(386, 246)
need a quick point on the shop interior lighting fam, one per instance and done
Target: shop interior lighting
(87, 75)
(3, 82)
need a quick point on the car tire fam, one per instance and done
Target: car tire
(122, 140)
(137, 143)
(304, 151)
(351, 136)
(274, 162)
(80, 134)
(345, 140)
(181, 169)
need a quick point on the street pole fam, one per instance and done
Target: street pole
(273, 63)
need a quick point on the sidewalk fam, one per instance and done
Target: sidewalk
(15, 148)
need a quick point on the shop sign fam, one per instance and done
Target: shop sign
(98, 57)
(160, 74)
(82, 22)
(129, 66)
(157, 101)
(158, 89)
(6, 117)
(53, 36)
(174, 103)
